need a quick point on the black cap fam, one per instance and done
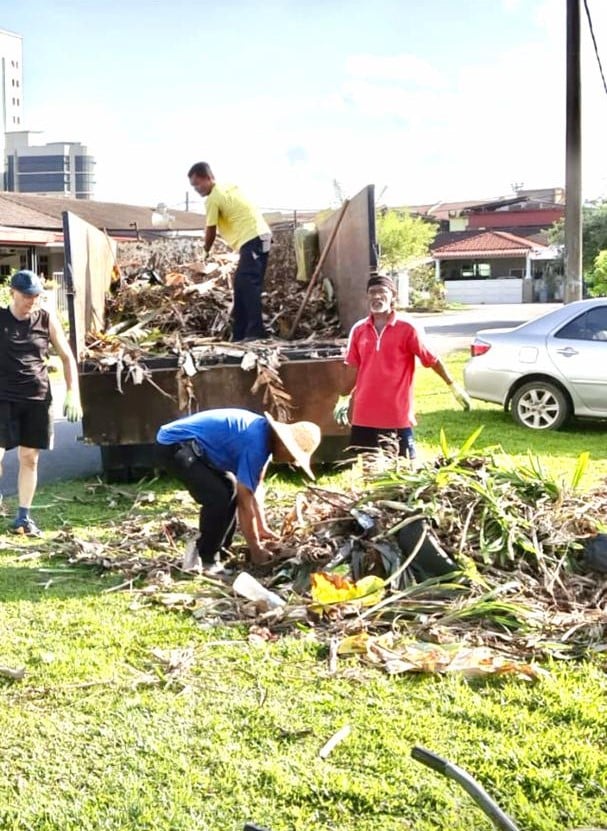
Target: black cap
(27, 283)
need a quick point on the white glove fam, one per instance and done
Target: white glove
(460, 395)
(340, 411)
(204, 255)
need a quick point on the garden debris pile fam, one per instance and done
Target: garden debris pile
(166, 301)
(512, 586)
(167, 298)
(129, 365)
(282, 262)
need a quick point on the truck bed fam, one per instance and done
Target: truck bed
(125, 423)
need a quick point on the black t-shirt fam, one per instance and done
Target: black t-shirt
(23, 353)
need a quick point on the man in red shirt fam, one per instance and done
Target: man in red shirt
(380, 360)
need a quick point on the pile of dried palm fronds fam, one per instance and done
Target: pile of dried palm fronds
(129, 362)
(282, 263)
(168, 302)
(518, 590)
(165, 288)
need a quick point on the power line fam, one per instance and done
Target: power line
(596, 49)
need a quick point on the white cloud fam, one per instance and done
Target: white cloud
(380, 101)
(394, 120)
(404, 68)
(549, 15)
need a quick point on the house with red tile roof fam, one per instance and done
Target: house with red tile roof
(538, 208)
(31, 227)
(492, 251)
(494, 266)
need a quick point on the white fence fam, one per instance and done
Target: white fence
(61, 292)
(506, 290)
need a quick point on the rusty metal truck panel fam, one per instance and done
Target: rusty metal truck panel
(352, 256)
(133, 417)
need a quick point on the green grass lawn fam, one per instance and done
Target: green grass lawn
(557, 450)
(98, 736)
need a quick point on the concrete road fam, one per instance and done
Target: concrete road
(456, 329)
(70, 459)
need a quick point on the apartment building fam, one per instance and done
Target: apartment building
(57, 168)
(63, 168)
(11, 88)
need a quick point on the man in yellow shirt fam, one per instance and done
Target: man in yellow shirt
(243, 227)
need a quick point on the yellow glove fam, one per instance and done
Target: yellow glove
(340, 411)
(71, 406)
(460, 395)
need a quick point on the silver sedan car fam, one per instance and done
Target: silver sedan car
(546, 370)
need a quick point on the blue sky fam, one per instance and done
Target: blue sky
(427, 99)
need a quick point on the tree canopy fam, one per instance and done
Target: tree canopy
(594, 241)
(402, 238)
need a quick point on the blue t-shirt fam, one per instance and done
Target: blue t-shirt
(233, 439)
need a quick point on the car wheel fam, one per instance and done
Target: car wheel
(540, 405)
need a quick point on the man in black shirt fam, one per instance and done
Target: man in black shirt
(25, 395)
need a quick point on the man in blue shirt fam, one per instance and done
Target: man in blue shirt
(221, 456)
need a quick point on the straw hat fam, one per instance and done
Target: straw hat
(301, 440)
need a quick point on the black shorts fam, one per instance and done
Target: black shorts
(26, 424)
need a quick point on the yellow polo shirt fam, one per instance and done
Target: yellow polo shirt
(237, 219)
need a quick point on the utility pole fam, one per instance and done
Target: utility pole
(573, 159)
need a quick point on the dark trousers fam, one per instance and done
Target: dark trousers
(213, 489)
(373, 437)
(248, 285)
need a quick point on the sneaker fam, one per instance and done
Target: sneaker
(217, 569)
(27, 527)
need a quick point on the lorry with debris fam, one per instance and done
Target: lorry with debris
(149, 326)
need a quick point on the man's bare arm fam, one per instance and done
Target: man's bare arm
(248, 513)
(62, 347)
(265, 533)
(209, 237)
(442, 372)
(460, 395)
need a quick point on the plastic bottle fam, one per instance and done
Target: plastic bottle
(249, 587)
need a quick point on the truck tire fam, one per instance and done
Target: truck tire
(540, 405)
(127, 462)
